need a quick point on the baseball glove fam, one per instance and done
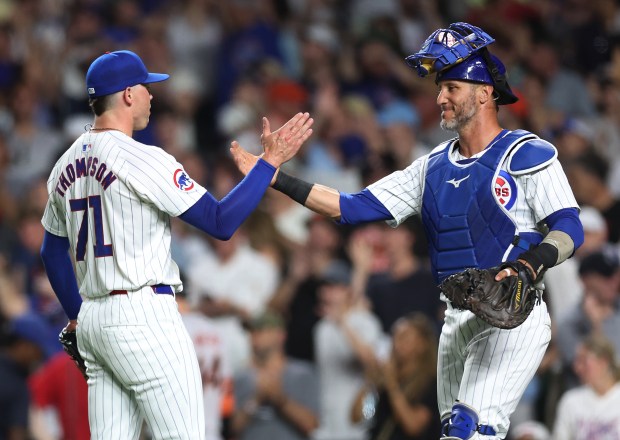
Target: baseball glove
(68, 339)
(504, 304)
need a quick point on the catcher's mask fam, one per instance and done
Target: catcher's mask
(460, 52)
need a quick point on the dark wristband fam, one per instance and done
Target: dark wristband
(295, 188)
(541, 257)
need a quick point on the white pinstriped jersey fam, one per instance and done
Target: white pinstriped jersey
(482, 366)
(538, 194)
(113, 197)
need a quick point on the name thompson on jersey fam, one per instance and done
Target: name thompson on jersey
(84, 167)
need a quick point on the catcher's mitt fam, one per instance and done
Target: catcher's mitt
(68, 339)
(504, 304)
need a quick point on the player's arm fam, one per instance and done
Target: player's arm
(346, 208)
(565, 235)
(222, 218)
(361, 207)
(57, 262)
(549, 196)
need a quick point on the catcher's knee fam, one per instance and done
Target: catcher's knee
(462, 423)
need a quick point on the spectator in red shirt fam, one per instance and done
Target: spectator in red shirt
(58, 385)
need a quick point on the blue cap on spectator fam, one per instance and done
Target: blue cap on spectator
(398, 112)
(33, 328)
(115, 71)
(338, 272)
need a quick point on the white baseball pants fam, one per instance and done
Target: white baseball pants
(141, 366)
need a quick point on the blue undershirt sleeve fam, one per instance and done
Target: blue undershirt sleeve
(222, 218)
(362, 207)
(57, 262)
(567, 221)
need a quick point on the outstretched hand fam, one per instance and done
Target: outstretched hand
(244, 160)
(280, 146)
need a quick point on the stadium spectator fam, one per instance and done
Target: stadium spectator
(591, 411)
(276, 397)
(214, 367)
(400, 398)
(25, 344)
(346, 338)
(59, 400)
(408, 284)
(587, 175)
(597, 313)
(245, 282)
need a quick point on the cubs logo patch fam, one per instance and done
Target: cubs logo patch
(182, 180)
(505, 190)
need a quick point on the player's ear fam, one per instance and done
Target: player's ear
(485, 93)
(127, 95)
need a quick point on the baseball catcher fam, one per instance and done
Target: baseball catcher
(497, 211)
(504, 304)
(68, 339)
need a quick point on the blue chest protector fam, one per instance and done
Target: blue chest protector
(465, 225)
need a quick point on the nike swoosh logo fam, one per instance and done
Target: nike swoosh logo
(455, 182)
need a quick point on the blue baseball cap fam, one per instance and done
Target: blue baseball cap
(32, 327)
(398, 112)
(115, 71)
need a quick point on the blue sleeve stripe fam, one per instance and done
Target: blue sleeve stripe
(221, 219)
(567, 220)
(362, 207)
(55, 256)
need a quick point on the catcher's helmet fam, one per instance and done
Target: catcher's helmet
(460, 52)
(483, 68)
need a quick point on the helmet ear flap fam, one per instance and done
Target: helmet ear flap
(500, 84)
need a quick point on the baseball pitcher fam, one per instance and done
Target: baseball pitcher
(108, 215)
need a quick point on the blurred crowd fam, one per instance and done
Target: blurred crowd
(303, 328)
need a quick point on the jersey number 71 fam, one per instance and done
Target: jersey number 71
(101, 249)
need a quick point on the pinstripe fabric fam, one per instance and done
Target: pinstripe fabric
(486, 367)
(113, 198)
(538, 194)
(141, 365)
(135, 211)
(482, 366)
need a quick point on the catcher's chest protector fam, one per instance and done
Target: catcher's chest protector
(464, 223)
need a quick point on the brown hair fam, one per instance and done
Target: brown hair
(601, 347)
(426, 368)
(416, 384)
(100, 104)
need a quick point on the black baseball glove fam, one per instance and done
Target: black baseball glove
(504, 304)
(68, 339)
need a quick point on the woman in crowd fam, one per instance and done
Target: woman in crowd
(399, 398)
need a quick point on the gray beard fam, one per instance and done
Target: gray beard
(462, 117)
